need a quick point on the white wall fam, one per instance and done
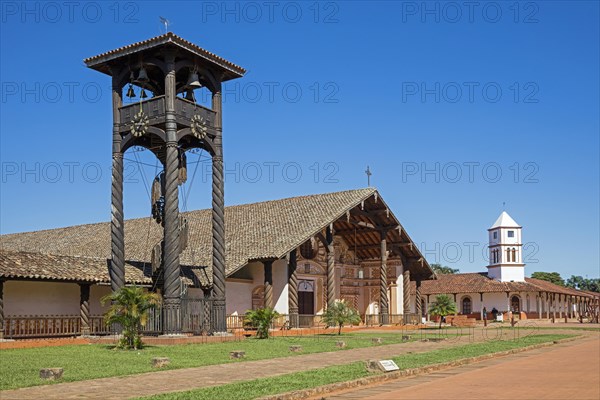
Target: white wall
(96, 293)
(507, 273)
(40, 298)
(239, 297)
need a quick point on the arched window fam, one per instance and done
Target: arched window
(466, 305)
(508, 255)
(515, 304)
(308, 249)
(514, 254)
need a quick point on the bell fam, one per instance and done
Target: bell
(143, 94)
(130, 92)
(193, 82)
(142, 76)
(189, 95)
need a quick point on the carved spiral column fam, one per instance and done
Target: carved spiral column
(384, 307)
(84, 308)
(419, 306)
(268, 265)
(330, 268)
(117, 229)
(218, 219)
(406, 291)
(172, 285)
(1, 309)
(293, 289)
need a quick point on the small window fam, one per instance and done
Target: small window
(511, 233)
(495, 235)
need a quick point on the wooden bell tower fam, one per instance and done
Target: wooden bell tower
(168, 125)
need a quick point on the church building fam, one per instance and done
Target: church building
(504, 291)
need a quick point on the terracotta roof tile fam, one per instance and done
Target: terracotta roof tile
(253, 231)
(480, 283)
(168, 37)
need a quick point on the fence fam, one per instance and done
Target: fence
(393, 319)
(196, 314)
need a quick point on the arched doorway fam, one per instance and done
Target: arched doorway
(467, 305)
(515, 304)
(306, 297)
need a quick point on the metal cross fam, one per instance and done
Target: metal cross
(165, 21)
(368, 172)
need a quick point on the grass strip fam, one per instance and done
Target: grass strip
(20, 367)
(253, 389)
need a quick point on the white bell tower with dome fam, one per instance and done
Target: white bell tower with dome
(505, 250)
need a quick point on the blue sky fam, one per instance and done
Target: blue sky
(456, 110)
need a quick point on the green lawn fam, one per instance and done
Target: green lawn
(20, 367)
(310, 379)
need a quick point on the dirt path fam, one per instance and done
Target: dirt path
(570, 370)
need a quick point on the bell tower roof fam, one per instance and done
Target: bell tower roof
(504, 221)
(149, 48)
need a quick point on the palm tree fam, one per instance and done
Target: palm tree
(442, 306)
(261, 319)
(339, 314)
(129, 308)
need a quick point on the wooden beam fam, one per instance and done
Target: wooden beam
(377, 246)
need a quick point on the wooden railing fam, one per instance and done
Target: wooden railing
(25, 326)
(394, 319)
(33, 326)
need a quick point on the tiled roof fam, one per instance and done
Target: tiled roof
(63, 268)
(267, 230)
(168, 37)
(480, 283)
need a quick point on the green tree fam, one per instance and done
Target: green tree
(442, 306)
(129, 308)
(339, 314)
(261, 319)
(581, 283)
(553, 277)
(439, 269)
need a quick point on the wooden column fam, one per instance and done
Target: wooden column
(547, 305)
(427, 309)
(481, 307)
(117, 229)
(330, 267)
(419, 306)
(560, 306)
(84, 308)
(1, 309)
(539, 305)
(406, 291)
(384, 309)
(570, 306)
(172, 281)
(268, 265)
(293, 289)
(553, 307)
(456, 308)
(219, 318)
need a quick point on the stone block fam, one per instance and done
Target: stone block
(51, 374)
(237, 354)
(159, 362)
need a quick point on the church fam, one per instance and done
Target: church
(504, 291)
(297, 255)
